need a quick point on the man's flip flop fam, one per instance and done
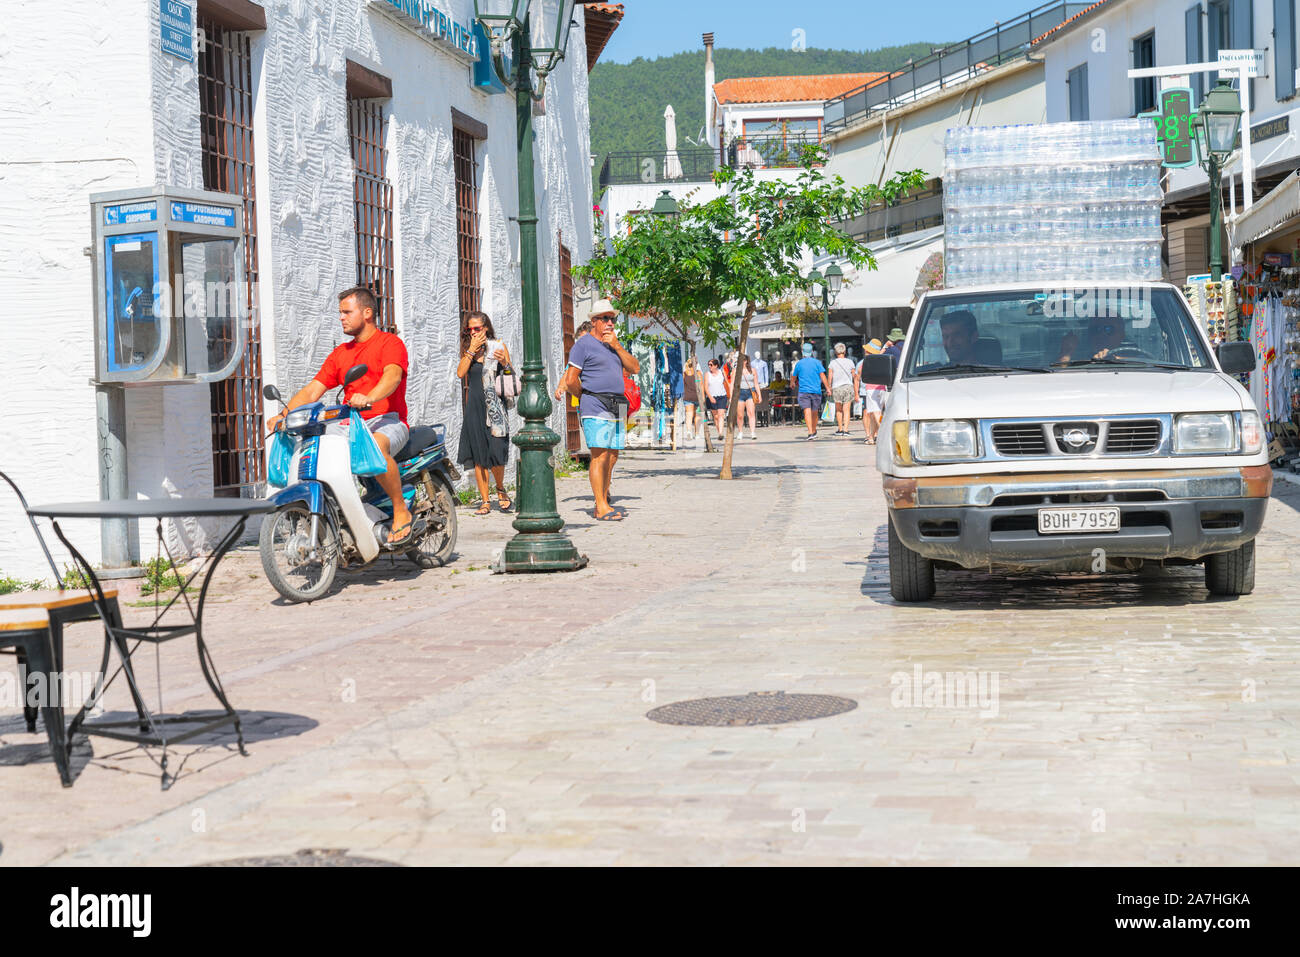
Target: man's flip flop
(401, 540)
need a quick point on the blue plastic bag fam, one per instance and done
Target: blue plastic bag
(366, 457)
(278, 460)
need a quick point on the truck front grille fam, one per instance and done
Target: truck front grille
(1020, 438)
(1133, 437)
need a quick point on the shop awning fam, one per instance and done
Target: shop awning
(892, 283)
(1279, 206)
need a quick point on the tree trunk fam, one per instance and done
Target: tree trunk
(733, 404)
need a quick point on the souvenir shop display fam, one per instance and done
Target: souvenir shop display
(1052, 201)
(1270, 321)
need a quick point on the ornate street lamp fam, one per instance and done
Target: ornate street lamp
(828, 288)
(666, 207)
(1217, 123)
(538, 37)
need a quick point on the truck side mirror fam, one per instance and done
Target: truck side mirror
(880, 369)
(1236, 357)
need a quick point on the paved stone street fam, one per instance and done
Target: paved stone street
(454, 716)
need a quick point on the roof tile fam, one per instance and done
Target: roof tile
(789, 89)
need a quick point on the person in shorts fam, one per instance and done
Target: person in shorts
(841, 376)
(873, 396)
(597, 362)
(379, 396)
(810, 376)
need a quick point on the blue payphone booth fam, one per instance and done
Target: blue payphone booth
(171, 306)
(170, 299)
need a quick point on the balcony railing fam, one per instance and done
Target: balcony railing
(950, 65)
(769, 150)
(693, 165)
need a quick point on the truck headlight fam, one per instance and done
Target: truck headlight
(1252, 433)
(297, 419)
(1205, 432)
(946, 439)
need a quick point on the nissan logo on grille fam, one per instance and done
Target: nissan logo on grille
(1076, 438)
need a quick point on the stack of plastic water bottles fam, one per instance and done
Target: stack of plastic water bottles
(1051, 202)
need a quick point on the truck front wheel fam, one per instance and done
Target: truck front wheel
(1231, 573)
(911, 577)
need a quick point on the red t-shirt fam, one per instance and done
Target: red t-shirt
(380, 350)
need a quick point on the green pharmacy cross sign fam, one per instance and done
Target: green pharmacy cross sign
(1174, 127)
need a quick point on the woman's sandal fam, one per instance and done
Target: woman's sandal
(483, 509)
(508, 504)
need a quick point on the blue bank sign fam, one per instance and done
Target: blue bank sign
(435, 24)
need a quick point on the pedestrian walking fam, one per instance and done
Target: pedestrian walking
(690, 397)
(873, 405)
(841, 376)
(597, 362)
(894, 343)
(750, 394)
(719, 390)
(811, 377)
(484, 431)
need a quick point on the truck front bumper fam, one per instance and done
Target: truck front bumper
(992, 520)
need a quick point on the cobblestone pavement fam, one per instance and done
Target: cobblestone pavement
(455, 716)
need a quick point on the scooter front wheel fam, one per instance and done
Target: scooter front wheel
(294, 568)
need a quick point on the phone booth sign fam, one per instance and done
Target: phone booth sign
(170, 298)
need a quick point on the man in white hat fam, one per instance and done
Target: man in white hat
(595, 374)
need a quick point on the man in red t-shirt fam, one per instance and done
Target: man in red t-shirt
(379, 395)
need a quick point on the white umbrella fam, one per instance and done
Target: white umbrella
(672, 165)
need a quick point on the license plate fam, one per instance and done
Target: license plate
(1058, 521)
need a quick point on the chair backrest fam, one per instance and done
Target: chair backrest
(58, 579)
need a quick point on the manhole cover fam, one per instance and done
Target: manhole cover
(311, 857)
(758, 707)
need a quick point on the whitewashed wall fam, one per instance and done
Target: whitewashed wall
(92, 104)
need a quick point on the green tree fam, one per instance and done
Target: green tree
(747, 246)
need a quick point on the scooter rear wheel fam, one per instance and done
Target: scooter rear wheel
(296, 573)
(436, 545)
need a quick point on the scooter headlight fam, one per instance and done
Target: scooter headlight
(297, 419)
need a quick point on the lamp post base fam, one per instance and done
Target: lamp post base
(540, 552)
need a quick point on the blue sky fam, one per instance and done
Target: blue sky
(654, 28)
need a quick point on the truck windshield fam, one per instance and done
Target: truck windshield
(1027, 332)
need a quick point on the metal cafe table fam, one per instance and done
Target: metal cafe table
(146, 728)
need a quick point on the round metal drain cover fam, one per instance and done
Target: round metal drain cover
(311, 857)
(758, 707)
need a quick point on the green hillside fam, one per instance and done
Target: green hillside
(628, 99)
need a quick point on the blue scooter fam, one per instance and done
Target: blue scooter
(328, 517)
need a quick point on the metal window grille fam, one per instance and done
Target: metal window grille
(571, 423)
(226, 121)
(373, 201)
(467, 244)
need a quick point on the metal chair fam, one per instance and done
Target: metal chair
(60, 607)
(27, 632)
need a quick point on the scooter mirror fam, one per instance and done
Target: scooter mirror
(355, 373)
(272, 393)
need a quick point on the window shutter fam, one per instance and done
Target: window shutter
(1242, 32)
(1192, 19)
(1284, 48)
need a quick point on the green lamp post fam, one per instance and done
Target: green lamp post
(828, 288)
(1216, 127)
(539, 37)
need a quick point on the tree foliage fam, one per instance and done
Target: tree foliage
(747, 246)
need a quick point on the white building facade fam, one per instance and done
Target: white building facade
(363, 151)
(1086, 64)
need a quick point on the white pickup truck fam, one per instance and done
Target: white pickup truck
(1068, 429)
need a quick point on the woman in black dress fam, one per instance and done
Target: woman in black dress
(484, 434)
